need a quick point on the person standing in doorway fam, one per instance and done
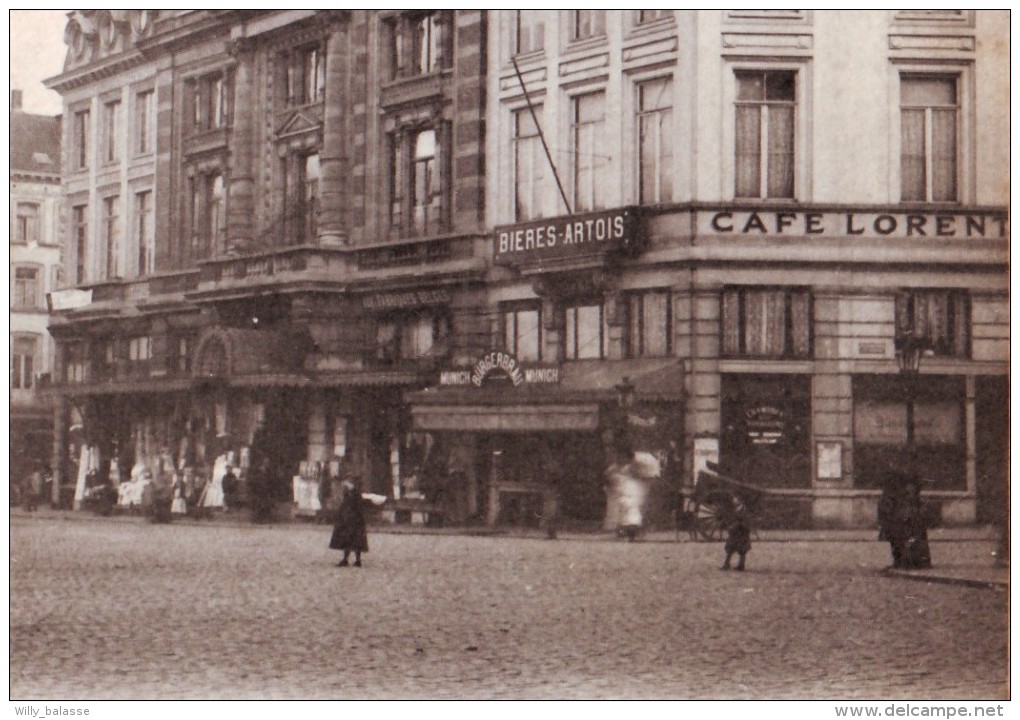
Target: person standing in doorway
(349, 533)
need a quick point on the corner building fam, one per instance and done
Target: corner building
(477, 250)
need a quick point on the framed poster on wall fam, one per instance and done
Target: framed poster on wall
(829, 454)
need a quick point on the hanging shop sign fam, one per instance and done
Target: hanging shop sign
(865, 223)
(766, 424)
(570, 236)
(503, 368)
(406, 299)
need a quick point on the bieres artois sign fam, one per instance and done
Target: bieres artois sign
(569, 236)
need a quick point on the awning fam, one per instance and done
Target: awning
(572, 405)
(374, 378)
(151, 385)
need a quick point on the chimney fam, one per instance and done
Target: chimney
(15, 100)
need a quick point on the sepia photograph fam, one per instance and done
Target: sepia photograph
(501, 355)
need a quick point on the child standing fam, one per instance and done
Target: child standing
(738, 540)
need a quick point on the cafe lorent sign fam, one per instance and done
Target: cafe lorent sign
(569, 236)
(851, 223)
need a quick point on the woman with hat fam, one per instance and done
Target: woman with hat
(349, 533)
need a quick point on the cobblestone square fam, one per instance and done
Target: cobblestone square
(126, 610)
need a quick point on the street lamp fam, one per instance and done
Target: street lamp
(909, 349)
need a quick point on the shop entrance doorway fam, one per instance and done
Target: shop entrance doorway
(992, 448)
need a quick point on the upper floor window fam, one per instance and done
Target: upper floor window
(522, 330)
(929, 122)
(144, 104)
(584, 331)
(140, 349)
(419, 44)
(765, 115)
(766, 322)
(26, 228)
(655, 140)
(305, 75)
(182, 359)
(207, 199)
(588, 24)
(528, 31)
(648, 323)
(80, 218)
(529, 166)
(144, 232)
(588, 148)
(26, 288)
(111, 131)
(23, 361)
(111, 235)
(209, 97)
(941, 318)
(412, 336)
(75, 362)
(647, 16)
(80, 139)
(301, 195)
(417, 185)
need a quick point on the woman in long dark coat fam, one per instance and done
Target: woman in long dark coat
(349, 533)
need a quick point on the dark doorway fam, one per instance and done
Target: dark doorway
(991, 406)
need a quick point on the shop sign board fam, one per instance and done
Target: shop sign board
(501, 367)
(706, 453)
(766, 424)
(868, 223)
(569, 236)
(406, 299)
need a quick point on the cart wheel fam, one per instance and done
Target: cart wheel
(711, 513)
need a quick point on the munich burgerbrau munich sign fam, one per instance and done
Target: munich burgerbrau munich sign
(569, 236)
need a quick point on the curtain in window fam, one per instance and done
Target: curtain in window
(521, 334)
(529, 166)
(748, 151)
(765, 322)
(780, 170)
(800, 320)
(584, 332)
(912, 170)
(649, 324)
(731, 322)
(943, 155)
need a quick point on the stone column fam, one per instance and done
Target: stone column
(240, 203)
(332, 156)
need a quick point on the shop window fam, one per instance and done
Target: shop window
(522, 331)
(207, 197)
(588, 147)
(939, 317)
(880, 422)
(304, 73)
(111, 131)
(420, 43)
(766, 322)
(929, 124)
(80, 139)
(301, 197)
(26, 288)
(411, 337)
(144, 114)
(765, 115)
(80, 215)
(111, 236)
(23, 361)
(418, 194)
(584, 331)
(209, 98)
(528, 32)
(655, 140)
(26, 228)
(529, 166)
(182, 356)
(588, 24)
(648, 323)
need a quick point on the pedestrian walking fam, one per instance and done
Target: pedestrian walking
(349, 534)
(916, 552)
(738, 540)
(891, 517)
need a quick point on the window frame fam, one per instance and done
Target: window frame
(205, 240)
(590, 17)
(80, 225)
(597, 141)
(958, 301)
(537, 21)
(789, 352)
(638, 297)
(402, 183)
(301, 196)
(111, 237)
(510, 321)
(537, 180)
(144, 115)
(111, 132)
(24, 365)
(409, 321)
(81, 130)
(143, 231)
(27, 228)
(667, 166)
(573, 307)
(20, 287)
(928, 156)
(420, 43)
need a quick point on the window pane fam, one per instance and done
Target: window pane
(527, 348)
(655, 324)
(943, 138)
(748, 152)
(780, 168)
(530, 31)
(780, 86)
(800, 319)
(912, 167)
(750, 86)
(922, 91)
